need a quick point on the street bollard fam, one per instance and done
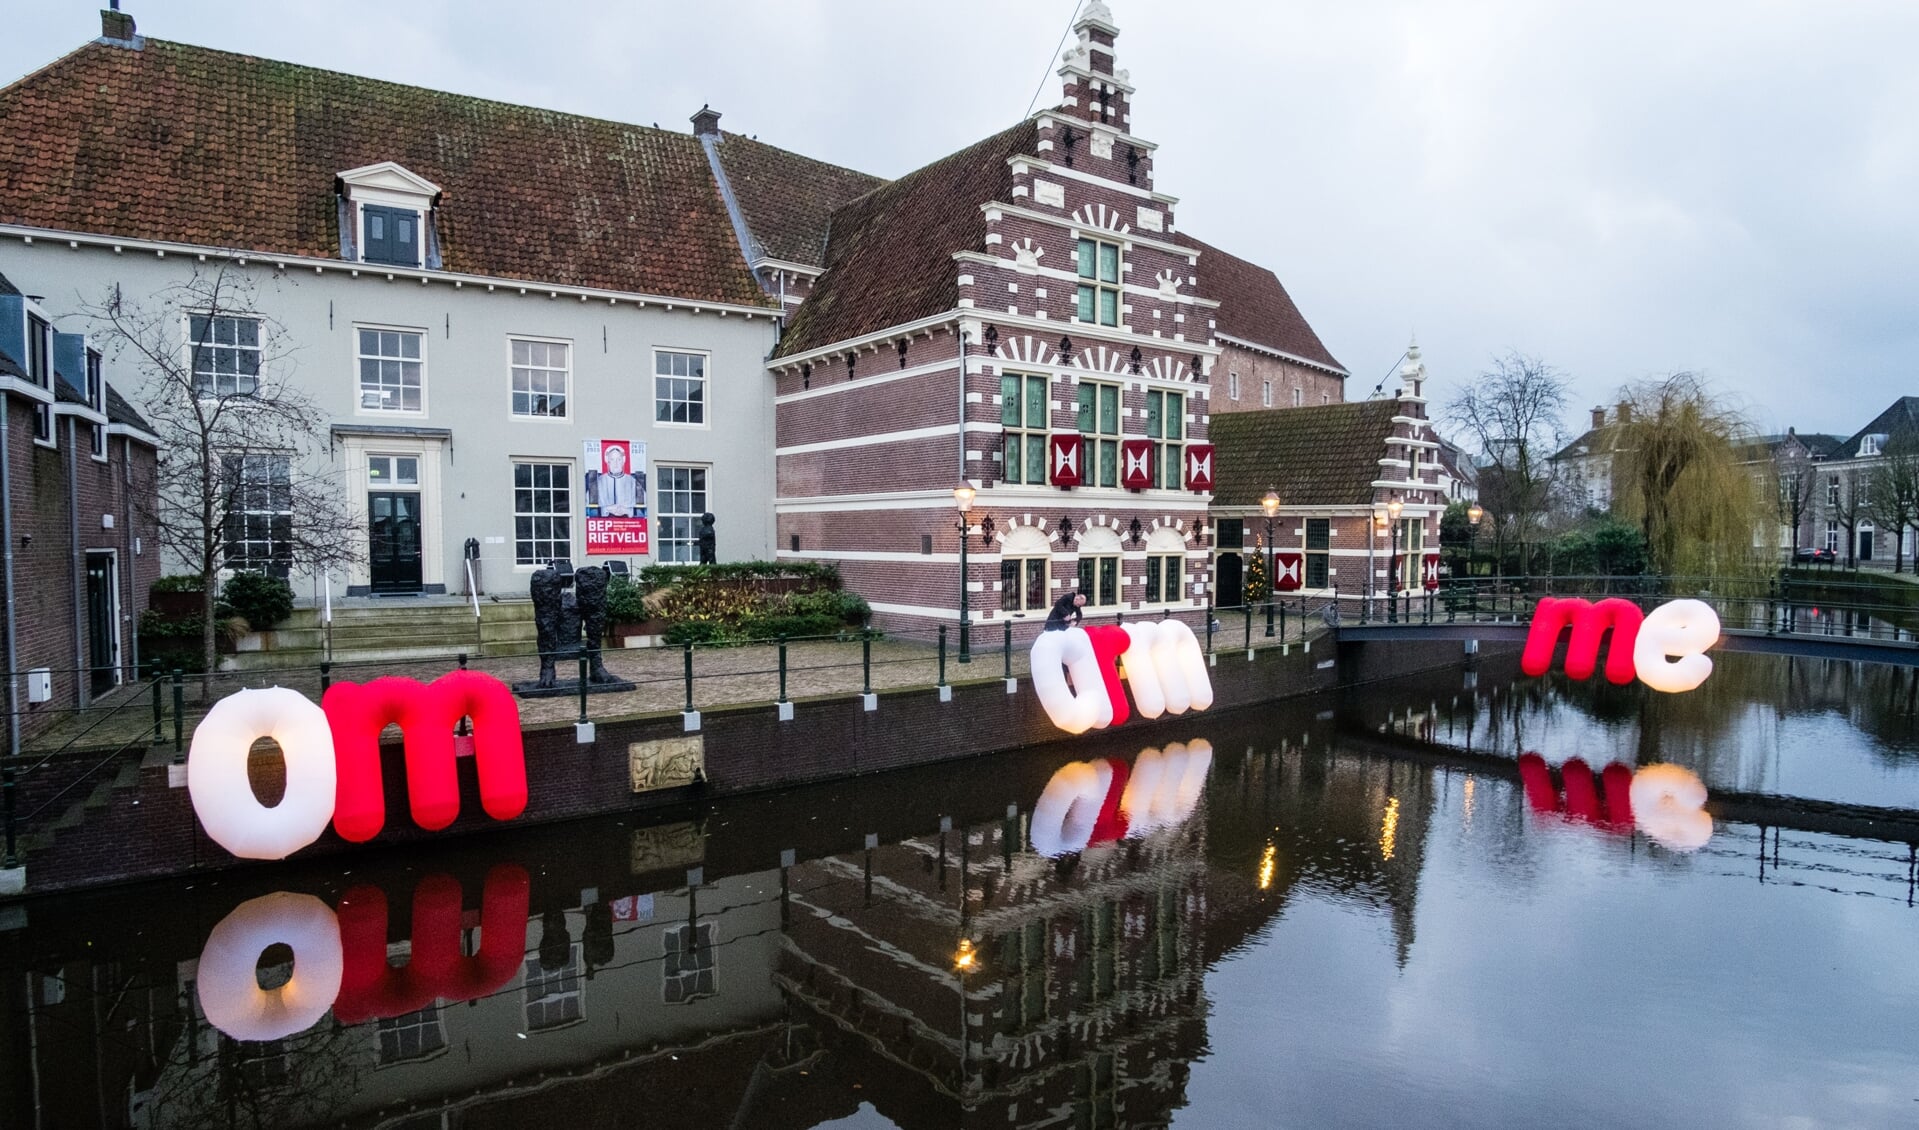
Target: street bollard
(942, 661)
(461, 660)
(1269, 616)
(582, 684)
(159, 709)
(1006, 649)
(326, 676)
(179, 717)
(1282, 618)
(689, 678)
(1248, 610)
(866, 659)
(1209, 619)
(782, 697)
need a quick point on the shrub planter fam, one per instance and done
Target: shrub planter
(640, 633)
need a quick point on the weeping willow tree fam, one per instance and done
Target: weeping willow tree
(1680, 477)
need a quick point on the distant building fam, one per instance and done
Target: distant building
(77, 482)
(1848, 523)
(1587, 468)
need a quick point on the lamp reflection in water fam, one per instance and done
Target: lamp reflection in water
(1389, 829)
(1266, 867)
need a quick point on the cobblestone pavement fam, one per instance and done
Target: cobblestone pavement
(721, 677)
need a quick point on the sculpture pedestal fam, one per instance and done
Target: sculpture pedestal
(569, 688)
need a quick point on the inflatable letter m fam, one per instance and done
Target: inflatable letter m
(427, 715)
(372, 988)
(1589, 622)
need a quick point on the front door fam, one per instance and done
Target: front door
(393, 540)
(1865, 544)
(101, 616)
(1230, 594)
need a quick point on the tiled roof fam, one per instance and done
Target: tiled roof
(1900, 421)
(120, 412)
(1254, 306)
(1326, 455)
(186, 144)
(889, 254)
(1594, 441)
(787, 199)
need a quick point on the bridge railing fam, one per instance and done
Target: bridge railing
(1782, 604)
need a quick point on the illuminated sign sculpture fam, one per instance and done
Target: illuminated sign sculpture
(332, 755)
(1090, 803)
(1664, 648)
(340, 962)
(1160, 659)
(1666, 802)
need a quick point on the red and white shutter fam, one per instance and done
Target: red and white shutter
(1429, 571)
(1062, 460)
(1199, 467)
(1136, 463)
(1289, 572)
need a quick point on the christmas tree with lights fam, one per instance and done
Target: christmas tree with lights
(1258, 588)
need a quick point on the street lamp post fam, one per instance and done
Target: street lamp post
(1393, 510)
(963, 498)
(1270, 504)
(1474, 514)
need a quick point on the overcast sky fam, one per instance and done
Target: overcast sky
(1728, 186)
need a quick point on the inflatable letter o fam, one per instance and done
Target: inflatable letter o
(1069, 809)
(217, 773)
(230, 992)
(1082, 706)
(1668, 804)
(1682, 628)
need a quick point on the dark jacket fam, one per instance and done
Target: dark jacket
(1065, 613)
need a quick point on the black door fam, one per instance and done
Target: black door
(1231, 592)
(100, 617)
(1865, 545)
(393, 542)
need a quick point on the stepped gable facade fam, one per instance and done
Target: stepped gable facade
(1024, 317)
(1362, 488)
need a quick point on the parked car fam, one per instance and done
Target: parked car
(1811, 555)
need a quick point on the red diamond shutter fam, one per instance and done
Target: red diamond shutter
(1062, 460)
(1429, 571)
(1136, 463)
(1289, 571)
(1199, 466)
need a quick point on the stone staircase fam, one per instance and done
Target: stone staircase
(390, 632)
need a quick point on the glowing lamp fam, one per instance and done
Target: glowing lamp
(964, 959)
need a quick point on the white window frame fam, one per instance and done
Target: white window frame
(1020, 607)
(1868, 446)
(1028, 431)
(526, 417)
(95, 377)
(1232, 386)
(186, 336)
(428, 1017)
(654, 376)
(241, 512)
(658, 488)
(1299, 397)
(1169, 455)
(1113, 599)
(573, 512)
(1117, 286)
(1265, 394)
(673, 946)
(532, 974)
(42, 413)
(1156, 566)
(359, 391)
(1089, 441)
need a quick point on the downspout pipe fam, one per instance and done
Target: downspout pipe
(962, 403)
(82, 667)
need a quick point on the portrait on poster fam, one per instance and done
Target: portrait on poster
(615, 495)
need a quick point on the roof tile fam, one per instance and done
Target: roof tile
(1327, 455)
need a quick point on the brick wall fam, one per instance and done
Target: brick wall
(1256, 370)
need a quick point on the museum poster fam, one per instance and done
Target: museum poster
(615, 498)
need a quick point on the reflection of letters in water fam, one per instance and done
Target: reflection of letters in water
(1089, 803)
(1666, 802)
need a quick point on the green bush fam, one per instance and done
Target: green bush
(179, 582)
(697, 631)
(625, 601)
(662, 576)
(260, 600)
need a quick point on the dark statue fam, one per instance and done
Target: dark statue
(707, 556)
(569, 616)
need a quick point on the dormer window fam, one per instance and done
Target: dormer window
(390, 235)
(1871, 445)
(386, 216)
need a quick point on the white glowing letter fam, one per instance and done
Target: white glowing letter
(230, 992)
(1083, 705)
(1682, 629)
(222, 793)
(1668, 804)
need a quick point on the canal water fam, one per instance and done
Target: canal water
(1466, 899)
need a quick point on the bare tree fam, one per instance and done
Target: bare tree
(1852, 506)
(1513, 411)
(1681, 478)
(1892, 497)
(242, 482)
(1793, 479)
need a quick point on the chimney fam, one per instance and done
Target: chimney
(117, 27)
(706, 123)
(1599, 418)
(1625, 413)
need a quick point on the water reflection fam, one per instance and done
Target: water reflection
(1357, 894)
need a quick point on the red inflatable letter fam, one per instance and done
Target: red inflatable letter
(1589, 624)
(426, 715)
(1108, 644)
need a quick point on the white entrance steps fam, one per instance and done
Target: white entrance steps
(382, 630)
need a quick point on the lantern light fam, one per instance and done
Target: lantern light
(963, 497)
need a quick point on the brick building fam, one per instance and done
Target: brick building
(1361, 490)
(76, 516)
